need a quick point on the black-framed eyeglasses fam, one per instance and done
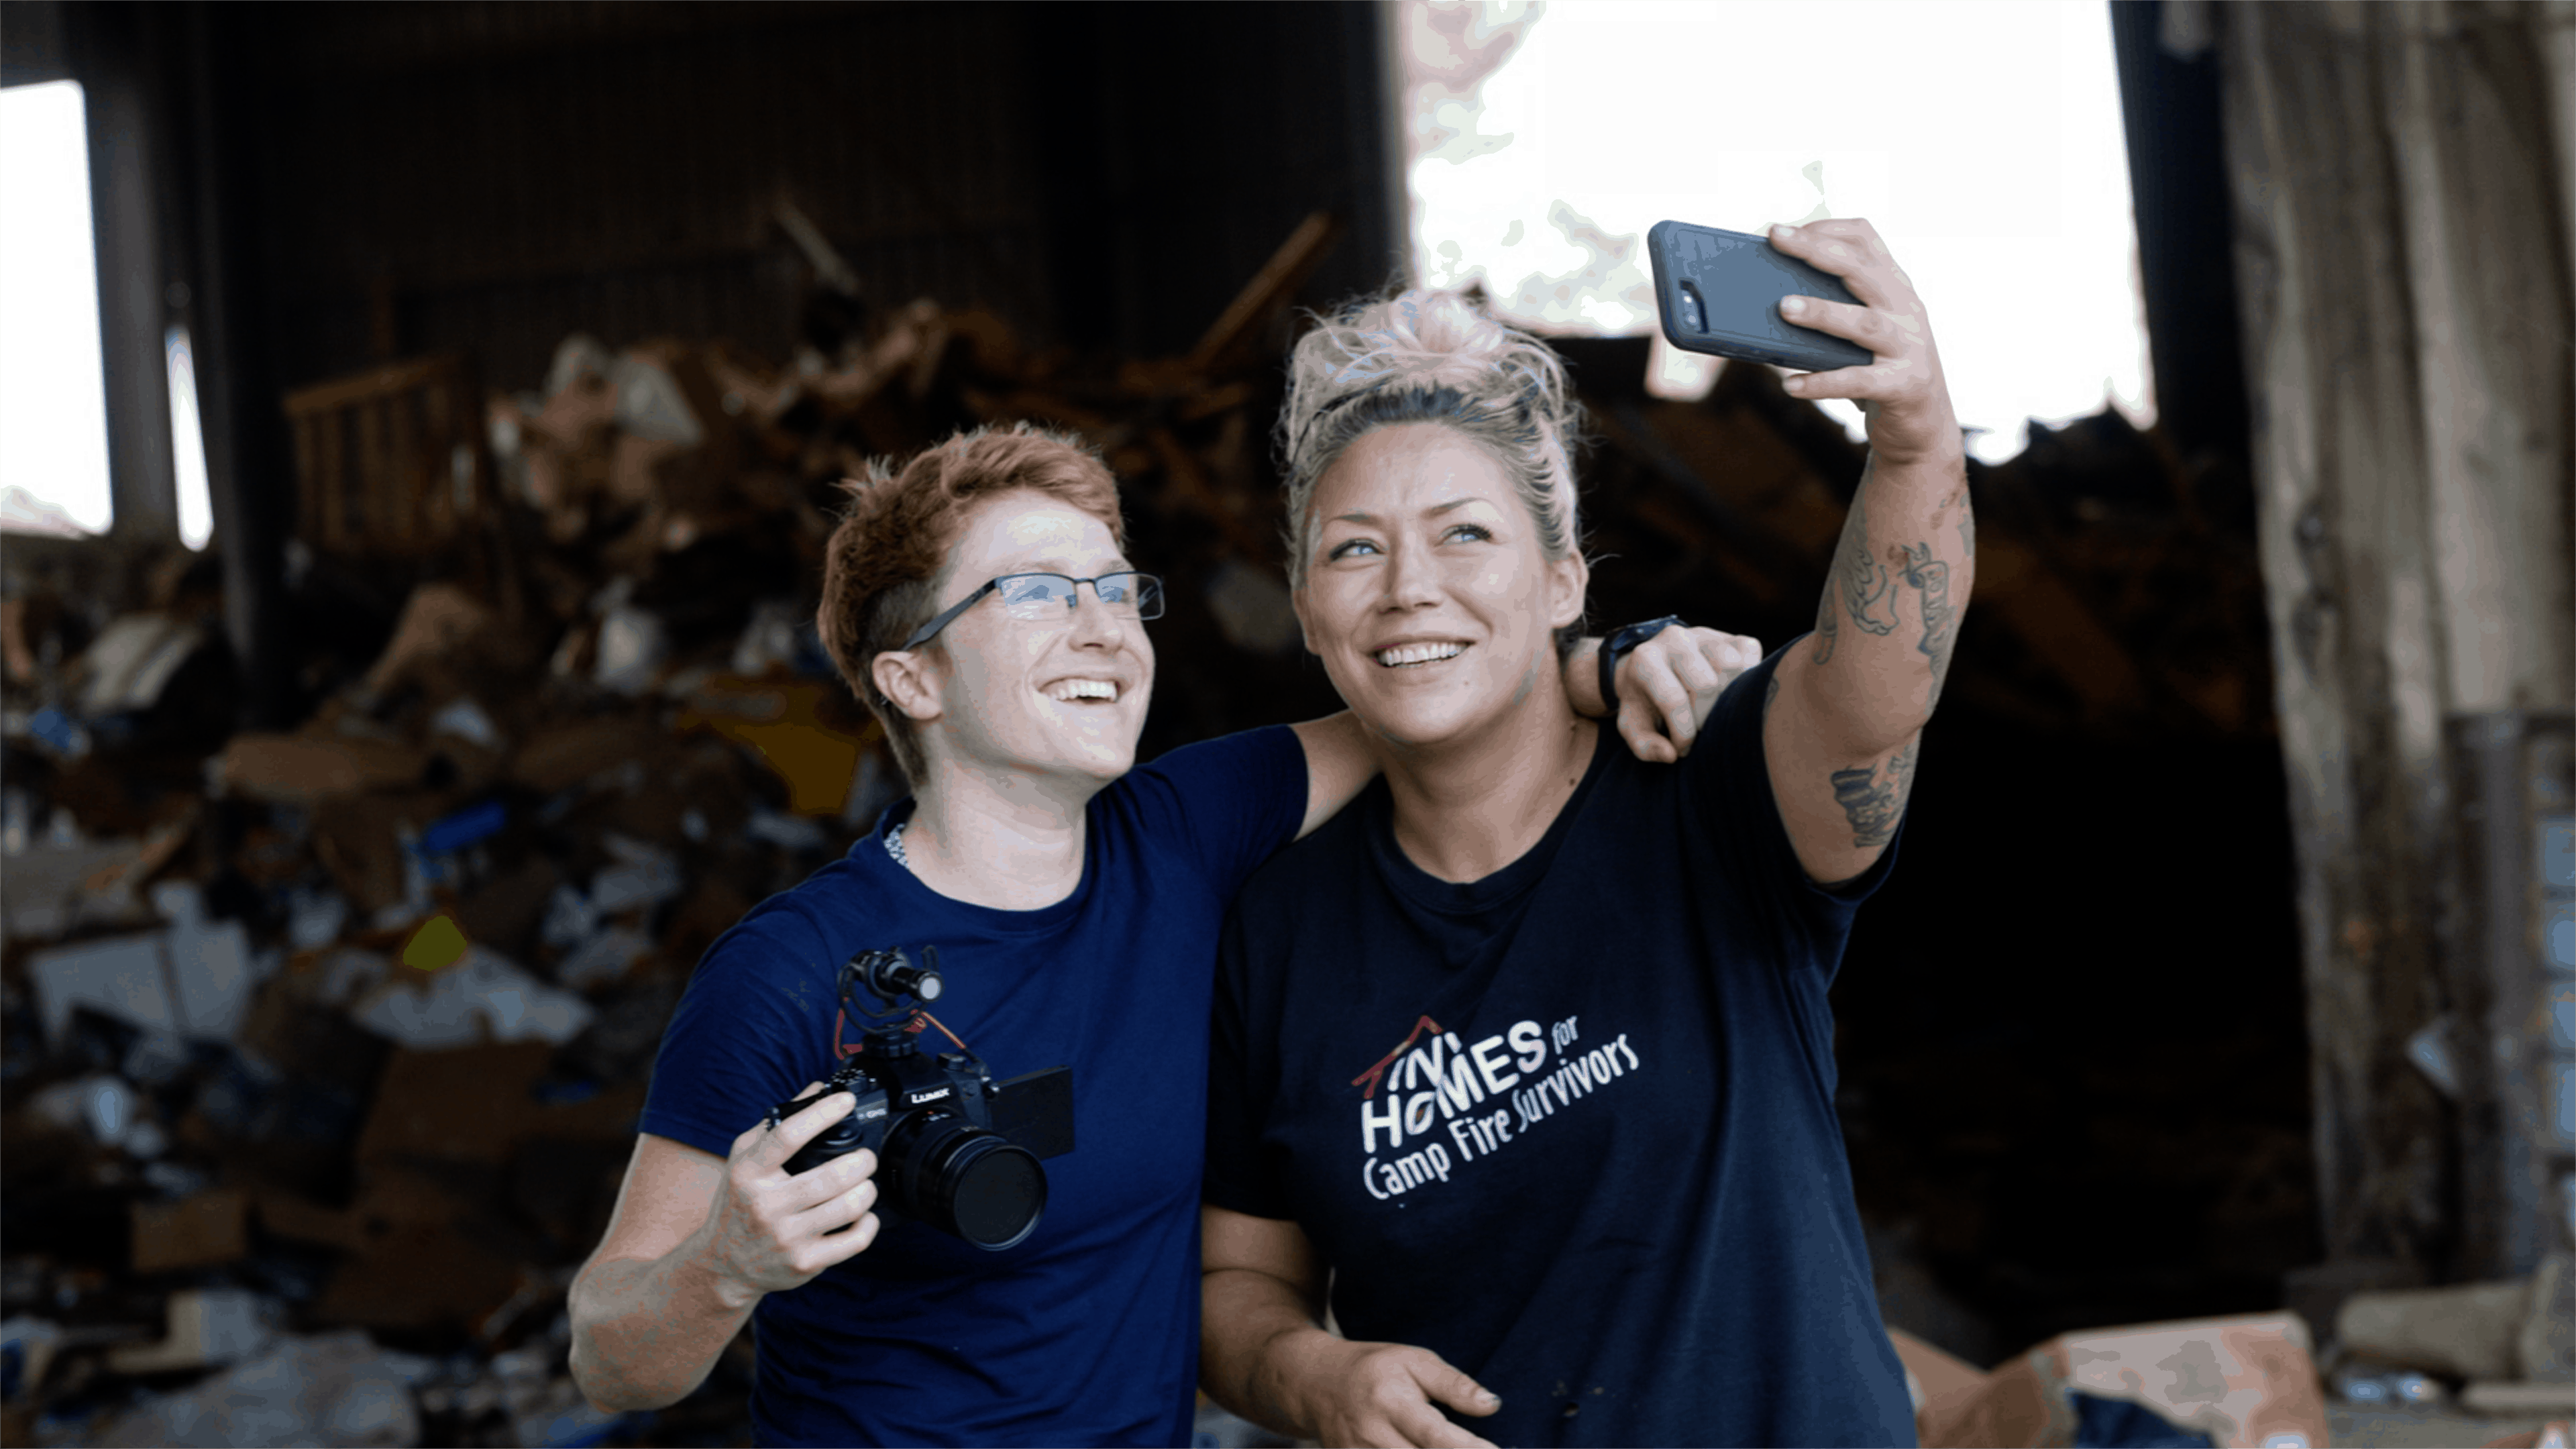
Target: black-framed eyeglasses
(1040, 596)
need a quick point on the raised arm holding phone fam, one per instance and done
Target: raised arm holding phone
(1527, 1052)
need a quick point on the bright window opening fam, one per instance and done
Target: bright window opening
(188, 441)
(1983, 141)
(53, 390)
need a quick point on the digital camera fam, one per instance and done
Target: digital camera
(955, 1148)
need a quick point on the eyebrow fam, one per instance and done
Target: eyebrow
(1059, 566)
(1433, 511)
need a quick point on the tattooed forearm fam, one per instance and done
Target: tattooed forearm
(1865, 582)
(1873, 797)
(1895, 594)
(1968, 532)
(1930, 577)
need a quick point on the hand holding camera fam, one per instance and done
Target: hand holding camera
(772, 1229)
(958, 1150)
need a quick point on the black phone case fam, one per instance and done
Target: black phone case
(1719, 292)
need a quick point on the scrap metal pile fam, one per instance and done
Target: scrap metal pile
(325, 1045)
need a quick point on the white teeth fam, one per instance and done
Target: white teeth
(1418, 654)
(1065, 691)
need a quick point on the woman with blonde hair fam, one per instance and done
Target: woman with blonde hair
(1527, 1053)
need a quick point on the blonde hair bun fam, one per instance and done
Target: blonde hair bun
(1430, 356)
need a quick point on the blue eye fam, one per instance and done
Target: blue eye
(1341, 549)
(1472, 530)
(1031, 590)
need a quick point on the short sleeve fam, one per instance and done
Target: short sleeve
(1232, 801)
(747, 1034)
(1242, 1173)
(1731, 786)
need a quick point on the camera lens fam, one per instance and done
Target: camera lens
(1694, 313)
(976, 1184)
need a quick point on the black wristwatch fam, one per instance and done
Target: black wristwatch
(1616, 646)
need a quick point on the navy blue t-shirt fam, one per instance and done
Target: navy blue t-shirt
(1088, 1332)
(1571, 1126)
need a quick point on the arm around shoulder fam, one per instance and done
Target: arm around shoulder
(1338, 766)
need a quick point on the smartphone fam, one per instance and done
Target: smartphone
(1719, 292)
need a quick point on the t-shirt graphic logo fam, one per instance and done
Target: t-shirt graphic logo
(1485, 1094)
(1371, 1077)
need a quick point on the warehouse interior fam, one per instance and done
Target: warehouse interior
(2228, 968)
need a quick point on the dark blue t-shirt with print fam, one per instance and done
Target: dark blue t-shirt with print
(1571, 1126)
(1087, 1332)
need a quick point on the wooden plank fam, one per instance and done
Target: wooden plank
(397, 483)
(1268, 291)
(1188, 484)
(372, 385)
(327, 484)
(2492, 341)
(365, 513)
(2407, 347)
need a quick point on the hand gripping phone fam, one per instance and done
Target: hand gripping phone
(1719, 292)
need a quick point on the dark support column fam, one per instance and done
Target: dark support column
(249, 471)
(2178, 179)
(1381, 211)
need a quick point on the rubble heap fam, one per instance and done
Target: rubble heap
(325, 1044)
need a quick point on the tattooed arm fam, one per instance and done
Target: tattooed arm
(1845, 719)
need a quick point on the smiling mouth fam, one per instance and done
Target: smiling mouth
(1405, 656)
(1071, 691)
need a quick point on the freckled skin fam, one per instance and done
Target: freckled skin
(1420, 538)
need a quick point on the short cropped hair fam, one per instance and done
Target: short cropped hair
(1427, 356)
(885, 564)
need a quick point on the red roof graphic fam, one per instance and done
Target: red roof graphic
(1371, 1077)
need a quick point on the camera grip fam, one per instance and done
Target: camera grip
(840, 1139)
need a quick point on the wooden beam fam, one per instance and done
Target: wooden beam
(1269, 290)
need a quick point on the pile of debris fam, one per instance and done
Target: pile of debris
(343, 1031)
(325, 1045)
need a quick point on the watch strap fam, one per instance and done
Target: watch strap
(1616, 647)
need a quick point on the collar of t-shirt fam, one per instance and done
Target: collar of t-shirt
(1488, 893)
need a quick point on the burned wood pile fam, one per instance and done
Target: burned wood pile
(325, 1046)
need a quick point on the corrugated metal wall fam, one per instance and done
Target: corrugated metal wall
(494, 176)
